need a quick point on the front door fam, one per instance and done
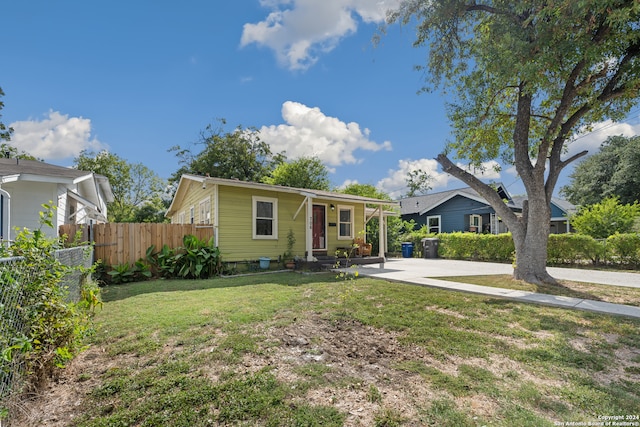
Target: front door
(319, 227)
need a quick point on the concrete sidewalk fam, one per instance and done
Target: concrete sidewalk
(425, 272)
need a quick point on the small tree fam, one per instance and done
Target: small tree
(606, 218)
(419, 182)
(305, 172)
(136, 188)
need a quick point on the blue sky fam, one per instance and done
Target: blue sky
(139, 77)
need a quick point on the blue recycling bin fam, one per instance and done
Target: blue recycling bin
(265, 262)
(407, 250)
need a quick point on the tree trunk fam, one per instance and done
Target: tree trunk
(531, 259)
(531, 244)
(530, 232)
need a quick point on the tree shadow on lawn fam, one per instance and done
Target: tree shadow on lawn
(127, 290)
(563, 288)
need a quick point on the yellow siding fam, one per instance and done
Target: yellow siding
(235, 228)
(194, 194)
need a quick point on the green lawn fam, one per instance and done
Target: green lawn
(290, 349)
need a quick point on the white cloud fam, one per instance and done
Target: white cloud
(309, 132)
(299, 30)
(592, 139)
(55, 137)
(395, 184)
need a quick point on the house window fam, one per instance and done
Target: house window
(205, 211)
(433, 224)
(181, 218)
(265, 218)
(192, 215)
(475, 223)
(345, 223)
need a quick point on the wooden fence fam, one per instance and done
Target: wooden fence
(118, 243)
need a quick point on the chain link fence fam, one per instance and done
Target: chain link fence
(15, 273)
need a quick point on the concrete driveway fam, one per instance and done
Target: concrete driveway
(426, 272)
(409, 268)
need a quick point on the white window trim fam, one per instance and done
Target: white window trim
(181, 218)
(207, 219)
(352, 210)
(274, 229)
(439, 223)
(192, 215)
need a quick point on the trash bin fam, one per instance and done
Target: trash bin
(430, 247)
(407, 250)
(264, 262)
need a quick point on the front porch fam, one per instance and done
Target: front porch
(327, 262)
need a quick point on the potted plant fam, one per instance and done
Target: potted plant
(287, 257)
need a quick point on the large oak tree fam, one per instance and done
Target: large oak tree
(525, 76)
(614, 171)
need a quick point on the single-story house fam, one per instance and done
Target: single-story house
(464, 209)
(252, 220)
(80, 197)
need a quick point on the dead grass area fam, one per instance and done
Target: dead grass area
(385, 355)
(359, 370)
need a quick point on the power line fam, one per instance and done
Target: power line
(607, 126)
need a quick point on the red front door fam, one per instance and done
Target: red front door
(319, 231)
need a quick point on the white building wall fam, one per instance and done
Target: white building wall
(25, 211)
(61, 212)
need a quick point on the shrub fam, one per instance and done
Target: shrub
(563, 249)
(54, 329)
(573, 249)
(624, 249)
(196, 259)
(606, 218)
(485, 247)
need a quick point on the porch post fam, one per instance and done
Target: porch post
(309, 228)
(382, 235)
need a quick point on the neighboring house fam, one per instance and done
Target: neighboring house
(252, 220)
(465, 210)
(80, 197)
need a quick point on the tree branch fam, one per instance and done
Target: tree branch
(485, 8)
(481, 188)
(554, 171)
(521, 137)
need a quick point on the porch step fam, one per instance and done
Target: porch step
(329, 262)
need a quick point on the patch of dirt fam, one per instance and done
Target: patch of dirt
(359, 366)
(59, 401)
(626, 367)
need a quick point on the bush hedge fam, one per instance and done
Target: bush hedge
(619, 250)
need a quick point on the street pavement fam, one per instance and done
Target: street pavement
(426, 271)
